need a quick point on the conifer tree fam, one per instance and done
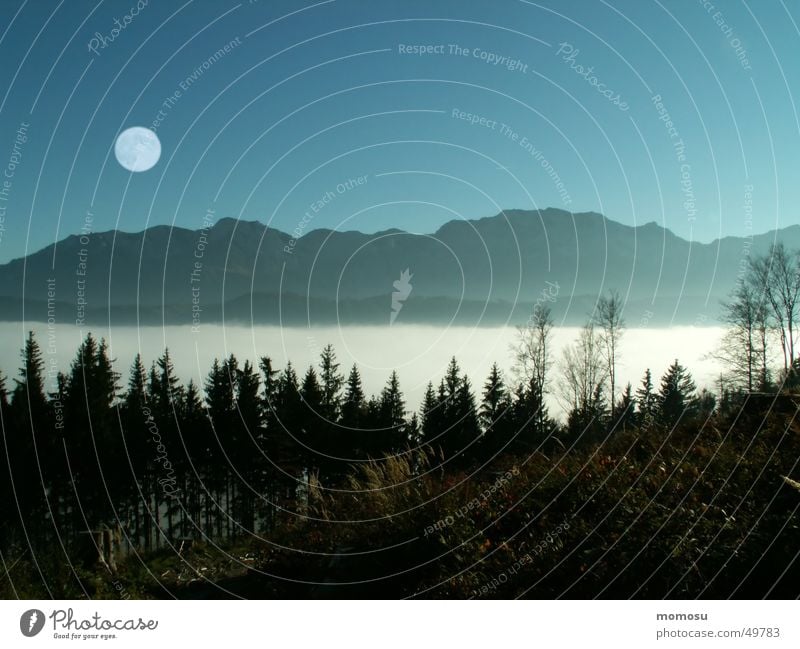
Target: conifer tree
(27, 433)
(353, 403)
(393, 416)
(289, 400)
(270, 392)
(332, 381)
(311, 430)
(677, 394)
(414, 430)
(431, 415)
(646, 400)
(29, 400)
(136, 395)
(625, 411)
(248, 399)
(459, 417)
(495, 399)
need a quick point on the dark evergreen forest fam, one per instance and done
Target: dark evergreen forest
(273, 481)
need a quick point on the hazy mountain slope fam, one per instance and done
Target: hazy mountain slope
(501, 259)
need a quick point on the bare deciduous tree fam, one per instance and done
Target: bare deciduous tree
(583, 372)
(776, 278)
(533, 358)
(743, 350)
(612, 326)
(532, 349)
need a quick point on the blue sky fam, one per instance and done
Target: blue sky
(310, 95)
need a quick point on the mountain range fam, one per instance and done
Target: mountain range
(469, 272)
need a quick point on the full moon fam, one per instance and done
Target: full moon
(137, 148)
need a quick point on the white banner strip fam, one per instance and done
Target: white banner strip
(388, 625)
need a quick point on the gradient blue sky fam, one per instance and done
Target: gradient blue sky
(317, 93)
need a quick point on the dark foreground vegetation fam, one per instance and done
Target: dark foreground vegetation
(266, 483)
